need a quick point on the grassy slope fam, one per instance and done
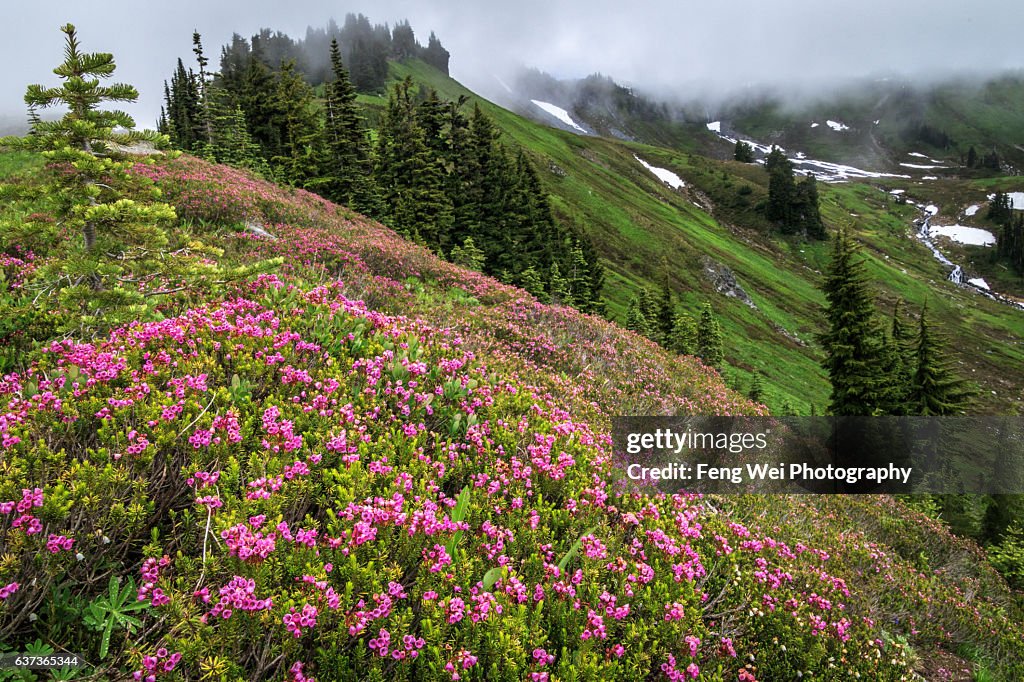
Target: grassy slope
(637, 221)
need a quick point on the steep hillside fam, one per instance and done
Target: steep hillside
(647, 231)
(370, 463)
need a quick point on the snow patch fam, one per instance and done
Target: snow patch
(814, 125)
(836, 125)
(972, 236)
(559, 113)
(932, 209)
(1017, 200)
(918, 165)
(980, 283)
(972, 210)
(663, 174)
(930, 177)
(918, 155)
(715, 126)
(897, 191)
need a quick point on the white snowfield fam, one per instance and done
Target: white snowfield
(932, 209)
(918, 165)
(559, 113)
(1016, 199)
(972, 210)
(836, 125)
(715, 126)
(822, 170)
(814, 125)
(980, 283)
(663, 174)
(972, 236)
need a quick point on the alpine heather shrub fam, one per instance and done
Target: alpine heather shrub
(335, 531)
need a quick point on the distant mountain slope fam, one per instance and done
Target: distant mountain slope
(647, 231)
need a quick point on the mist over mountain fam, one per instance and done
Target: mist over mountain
(671, 51)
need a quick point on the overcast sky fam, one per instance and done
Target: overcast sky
(664, 46)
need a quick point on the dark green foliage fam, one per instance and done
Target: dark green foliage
(683, 338)
(781, 189)
(709, 339)
(435, 54)
(302, 159)
(793, 207)
(230, 142)
(666, 312)
(182, 118)
(854, 343)
(806, 215)
(468, 255)
(349, 158)
(635, 318)
(935, 388)
(756, 392)
(743, 152)
(1000, 208)
(900, 358)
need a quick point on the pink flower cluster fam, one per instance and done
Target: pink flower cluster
(295, 621)
(238, 593)
(150, 574)
(8, 589)
(56, 543)
(463, 660)
(410, 646)
(152, 666)
(248, 545)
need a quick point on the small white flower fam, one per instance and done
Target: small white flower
(33, 617)
(106, 540)
(79, 556)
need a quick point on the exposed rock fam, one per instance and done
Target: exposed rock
(258, 229)
(725, 282)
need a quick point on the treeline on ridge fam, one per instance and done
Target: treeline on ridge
(434, 172)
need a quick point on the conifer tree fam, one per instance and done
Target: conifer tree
(743, 152)
(666, 311)
(709, 339)
(635, 319)
(649, 308)
(468, 255)
(757, 388)
(854, 343)
(530, 280)
(349, 156)
(578, 278)
(781, 189)
(90, 179)
(302, 158)
(558, 287)
(410, 176)
(260, 104)
(806, 213)
(936, 390)
(683, 338)
(900, 358)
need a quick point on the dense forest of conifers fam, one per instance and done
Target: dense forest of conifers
(434, 170)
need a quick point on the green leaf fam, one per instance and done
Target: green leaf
(492, 576)
(564, 561)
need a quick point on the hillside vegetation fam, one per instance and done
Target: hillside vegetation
(373, 463)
